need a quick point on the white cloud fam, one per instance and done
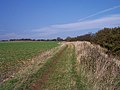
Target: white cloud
(109, 21)
(97, 23)
(100, 12)
(53, 31)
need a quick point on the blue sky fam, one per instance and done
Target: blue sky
(56, 18)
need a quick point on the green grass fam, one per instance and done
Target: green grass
(61, 74)
(15, 54)
(60, 78)
(35, 76)
(75, 74)
(58, 73)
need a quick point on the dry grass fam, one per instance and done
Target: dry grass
(24, 73)
(97, 70)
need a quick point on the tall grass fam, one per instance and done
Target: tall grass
(96, 70)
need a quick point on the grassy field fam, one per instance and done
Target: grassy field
(70, 66)
(57, 74)
(13, 55)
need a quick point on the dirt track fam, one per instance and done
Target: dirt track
(72, 66)
(59, 74)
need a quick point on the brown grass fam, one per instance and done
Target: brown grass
(97, 70)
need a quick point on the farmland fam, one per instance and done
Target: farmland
(68, 66)
(14, 55)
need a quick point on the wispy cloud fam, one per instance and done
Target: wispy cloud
(53, 31)
(100, 12)
(108, 21)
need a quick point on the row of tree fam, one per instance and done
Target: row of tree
(107, 37)
(86, 37)
(28, 39)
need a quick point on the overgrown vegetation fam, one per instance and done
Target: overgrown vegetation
(89, 69)
(107, 37)
(96, 70)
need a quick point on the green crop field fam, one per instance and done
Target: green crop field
(68, 66)
(13, 55)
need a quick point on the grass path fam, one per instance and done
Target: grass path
(16, 55)
(56, 70)
(60, 74)
(25, 73)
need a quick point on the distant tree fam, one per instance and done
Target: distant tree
(86, 37)
(53, 40)
(59, 39)
(68, 39)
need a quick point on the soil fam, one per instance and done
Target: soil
(44, 79)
